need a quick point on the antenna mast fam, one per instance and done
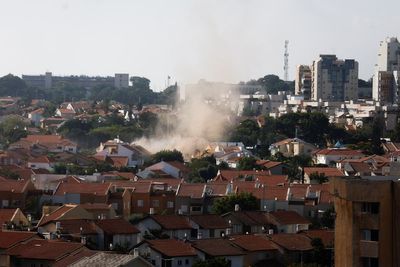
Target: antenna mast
(286, 62)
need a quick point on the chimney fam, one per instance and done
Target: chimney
(237, 207)
(151, 211)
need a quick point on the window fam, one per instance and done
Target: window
(196, 208)
(370, 262)
(212, 232)
(187, 262)
(179, 262)
(369, 235)
(370, 207)
(184, 208)
(140, 203)
(156, 203)
(5, 203)
(170, 204)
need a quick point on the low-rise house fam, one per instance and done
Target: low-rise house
(14, 193)
(40, 252)
(170, 226)
(175, 169)
(48, 143)
(330, 156)
(293, 248)
(9, 239)
(292, 147)
(167, 252)
(52, 124)
(260, 251)
(247, 222)
(208, 226)
(273, 167)
(36, 116)
(220, 247)
(108, 259)
(328, 172)
(80, 193)
(116, 234)
(117, 150)
(190, 198)
(64, 113)
(13, 219)
(289, 222)
(41, 162)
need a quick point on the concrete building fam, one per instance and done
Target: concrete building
(333, 79)
(367, 217)
(385, 86)
(303, 81)
(47, 81)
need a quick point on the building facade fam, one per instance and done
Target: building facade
(303, 81)
(385, 80)
(367, 217)
(333, 79)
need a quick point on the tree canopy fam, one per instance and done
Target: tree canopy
(246, 201)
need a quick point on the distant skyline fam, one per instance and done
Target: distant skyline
(229, 41)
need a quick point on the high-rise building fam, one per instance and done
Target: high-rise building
(367, 221)
(121, 80)
(303, 81)
(384, 87)
(333, 79)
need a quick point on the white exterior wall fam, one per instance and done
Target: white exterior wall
(131, 239)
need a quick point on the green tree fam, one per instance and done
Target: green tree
(319, 177)
(247, 132)
(328, 218)
(12, 128)
(319, 252)
(248, 163)
(167, 155)
(246, 201)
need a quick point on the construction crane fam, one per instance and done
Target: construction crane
(286, 62)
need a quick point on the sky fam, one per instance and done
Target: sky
(188, 40)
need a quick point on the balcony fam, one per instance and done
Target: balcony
(369, 249)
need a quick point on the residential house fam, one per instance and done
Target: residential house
(13, 219)
(170, 226)
(49, 143)
(41, 162)
(9, 239)
(116, 233)
(175, 169)
(247, 222)
(289, 222)
(221, 248)
(108, 259)
(293, 248)
(14, 193)
(328, 172)
(259, 250)
(36, 116)
(65, 113)
(40, 252)
(292, 147)
(208, 226)
(52, 124)
(167, 252)
(117, 150)
(273, 167)
(190, 198)
(330, 156)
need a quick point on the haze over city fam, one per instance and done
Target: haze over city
(227, 41)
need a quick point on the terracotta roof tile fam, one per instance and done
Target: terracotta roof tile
(285, 217)
(217, 247)
(171, 222)
(329, 172)
(253, 242)
(172, 247)
(11, 238)
(116, 226)
(56, 214)
(6, 215)
(327, 236)
(191, 190)
(339, 151)
(100, 189)
(210, 221)
(292, 242)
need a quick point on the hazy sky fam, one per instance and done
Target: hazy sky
(220, 40)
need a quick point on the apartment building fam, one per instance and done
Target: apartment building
(334, 79)
(367, 217)
(303, 81)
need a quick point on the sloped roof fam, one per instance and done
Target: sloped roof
(285, 217)
(253, 242)
(328, 171)
(326, 235)
(75, 257)
(172, 247)
(210, 221)
(171, 222)
(292, 242)
(191, 190)
(249, 217)
(15, 186)
(230, 175)
(56, 214)
(73, 226)
(44, 249)
(116, 226)
(100, 189)
(11, 238)
(217, 247)
(340, 151)
(6, 215)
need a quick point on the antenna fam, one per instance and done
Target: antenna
(286, 62)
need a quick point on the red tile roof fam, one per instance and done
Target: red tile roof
(15, 186)
(74, 257)
(284, 217)
(327, 236)
(191, 190)
(172, 247)
(44, 249)
(11, 238)
(217, 247)
(73, 226)
(116, 226)
(272, 180)
(253, 242)
(99, 189)
(6, 215)
(327, 171)
(210, 221)
(179, 165)
(230, 175)
(56, 214)
(268, 164)
(171, 222)
(292, 242)
(339, 151)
